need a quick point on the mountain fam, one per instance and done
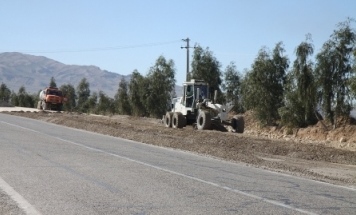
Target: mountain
(35, 72)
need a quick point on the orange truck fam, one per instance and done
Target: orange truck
(51, 98)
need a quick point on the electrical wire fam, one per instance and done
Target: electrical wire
(100, 48)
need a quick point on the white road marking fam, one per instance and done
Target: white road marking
(20, 200)
(280, 204)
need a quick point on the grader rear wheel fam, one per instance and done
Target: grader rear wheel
(168, 119)
(178, 120)
(204, 120)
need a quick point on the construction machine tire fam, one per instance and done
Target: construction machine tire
(44, 106)
(168, 119)
(204, 120)
(178, 120)
(39, 105)
(238, 124)
(60, 107)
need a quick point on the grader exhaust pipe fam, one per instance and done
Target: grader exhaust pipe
(215, 96)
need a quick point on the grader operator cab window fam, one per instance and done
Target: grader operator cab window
(191, 94)
(203, 92)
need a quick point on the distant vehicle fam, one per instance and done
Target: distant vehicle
(51, 98)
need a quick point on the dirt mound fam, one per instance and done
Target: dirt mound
(342, 137)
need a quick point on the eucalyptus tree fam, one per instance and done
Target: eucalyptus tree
(5, 93)
(206, 67)
(14, 99)
(353, 79)
(83, 93)
(105, 105)
(69, 92)
(52, 82)
(161, 83)
(334, 71)
(91, 105)
(137, 91)
(24, 99)
(300, 91)
(122, 100)
(232, 86)
(263, 85)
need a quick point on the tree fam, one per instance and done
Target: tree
(232, 86)
(353, 79)
(24, 99)
(69, 92)
(263, 86)
(105, 104)
(83, 93)
(14, 99)
(206, 67)
(5, 93)
(137, 93)
(52, 83)
(300, 92)
(334, 72)
(122, 98)
(92, 103)
(161, 83)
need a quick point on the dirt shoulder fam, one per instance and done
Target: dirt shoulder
(291, 154)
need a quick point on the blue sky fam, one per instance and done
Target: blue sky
(120, 36)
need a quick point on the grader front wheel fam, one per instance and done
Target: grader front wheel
(238, 123)
(204, 120)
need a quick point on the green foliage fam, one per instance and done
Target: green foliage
(353, 79)
(92, 103)
(5, 93)
(23, 99)
(14, 99)
(300, 91)
(334, 72)
(293, 112)
(232, 87)
(137, 91)
(83, 93)
(263, 86)
(353, 86)
(161, 83)
(69, 92)
(106, 105)
(52, 82)
(122, 98)
(207, 68)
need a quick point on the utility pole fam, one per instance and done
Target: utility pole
(187, 47)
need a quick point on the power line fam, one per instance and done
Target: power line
(100, 48)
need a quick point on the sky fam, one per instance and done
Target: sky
(123, 35)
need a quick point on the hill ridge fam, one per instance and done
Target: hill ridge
(34, 73)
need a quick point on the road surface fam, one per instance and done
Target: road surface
(50, 169)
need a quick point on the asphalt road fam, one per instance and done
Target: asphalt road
(51, 169)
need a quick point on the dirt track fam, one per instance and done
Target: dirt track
(319, 161)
